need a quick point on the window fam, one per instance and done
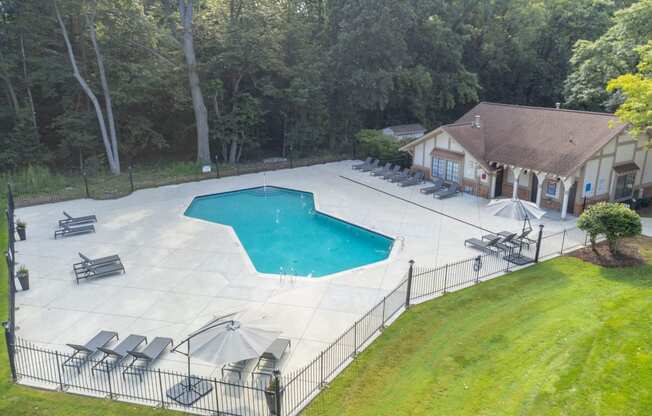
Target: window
(624, 186)
(446, 169)
(551, 189)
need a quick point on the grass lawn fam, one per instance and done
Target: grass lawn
(561, 338)
(16, 400)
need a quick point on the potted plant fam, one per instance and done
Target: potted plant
(21, 229)
(23, 277)
(270, 395)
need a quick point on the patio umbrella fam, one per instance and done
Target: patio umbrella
(515, 208)
(223, 339)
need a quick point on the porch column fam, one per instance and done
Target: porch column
(492, 185)
(541, 177)
(568, 182)
(516, 172)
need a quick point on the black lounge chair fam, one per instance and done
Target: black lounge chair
(451, 190)
(373, 165)
(238, 367)
(484, 245)
(520, 239)
(401, 176)
(393, 171)
(363, 164)
(414, 180)
(84, 352)
(86, 270)
(381, 171)
(100, 260)
(68, 231)
(142, 360)
(268, 362)
(505, 243)
(70, 220)
(437, 184)
(113, 356)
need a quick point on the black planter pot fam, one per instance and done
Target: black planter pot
(23, 279)
(22, 233)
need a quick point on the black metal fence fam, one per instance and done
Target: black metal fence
(10, 256)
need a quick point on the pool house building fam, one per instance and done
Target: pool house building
(560, 159)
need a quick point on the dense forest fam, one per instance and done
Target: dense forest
(123, 81)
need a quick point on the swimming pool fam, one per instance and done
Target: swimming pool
(283, 233)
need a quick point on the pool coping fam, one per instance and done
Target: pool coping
(249, 263)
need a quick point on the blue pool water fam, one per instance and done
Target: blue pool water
(282, 233)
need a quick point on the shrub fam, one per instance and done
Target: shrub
(613, 220)
(376, 144)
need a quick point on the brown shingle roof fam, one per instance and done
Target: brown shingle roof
(546, 139)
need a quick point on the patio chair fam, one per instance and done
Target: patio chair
(393, 171)
(237, 367)
(437, 184)
(70, 220)
(84, 270)
(381, 171)
(363, 164)
(113, 356)
(142, 360)
(451, 190)
(268, 362)
(484, 245)
(414, 180)
(67, 231)
(373, 165)
(84, 352)
(401, 176)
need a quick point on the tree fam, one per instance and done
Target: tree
(636, 110)
(613, 220)
(201, 114)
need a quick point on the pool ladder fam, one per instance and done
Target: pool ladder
(290, 276)
(401, 239)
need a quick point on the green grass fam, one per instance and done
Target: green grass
(561, 338)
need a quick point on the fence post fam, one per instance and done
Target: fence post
(160, 385)
(321, 369)
(563, 240)
(445, 277)
(277, 392)
(108, 376)
(291, 157)
(382, 323)
(88, 194)
(355, 339)
(131, 179)
(9, 338)
(408, 293)
(217, 166)
(61, 387)
(477, 265)
(538, 249)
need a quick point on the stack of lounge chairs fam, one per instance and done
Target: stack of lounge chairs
(503, 241)
(448, 190)
(113, 356)
(70, 225)
(93, 268)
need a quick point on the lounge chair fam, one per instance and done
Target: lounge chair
(84, 352)
(393, 171)
(363, 164)
(414, 180)
(381, 171)
(86, 270)
(437, 184)
(100, 260)
(505, 243)
(67, 230)
(484, 245)
(521, 238)
(452, 190)
(373, 165)
(401, 176)
(113, 356)
(142, 360)
(268, 362)
(70, 220)
(238, 367)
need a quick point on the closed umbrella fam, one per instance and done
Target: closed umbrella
(224, 339)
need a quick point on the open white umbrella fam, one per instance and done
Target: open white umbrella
(223, 339)
(515, 208)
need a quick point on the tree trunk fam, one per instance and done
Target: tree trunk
(30, 98)
(233, 151)
(201, 115)
(88, 91)
(11, 93)
(107, 93)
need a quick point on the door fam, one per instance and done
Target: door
(499, 182)
(534, 188)
(570, 208)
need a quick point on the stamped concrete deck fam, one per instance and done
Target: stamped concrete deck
(181, 272)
